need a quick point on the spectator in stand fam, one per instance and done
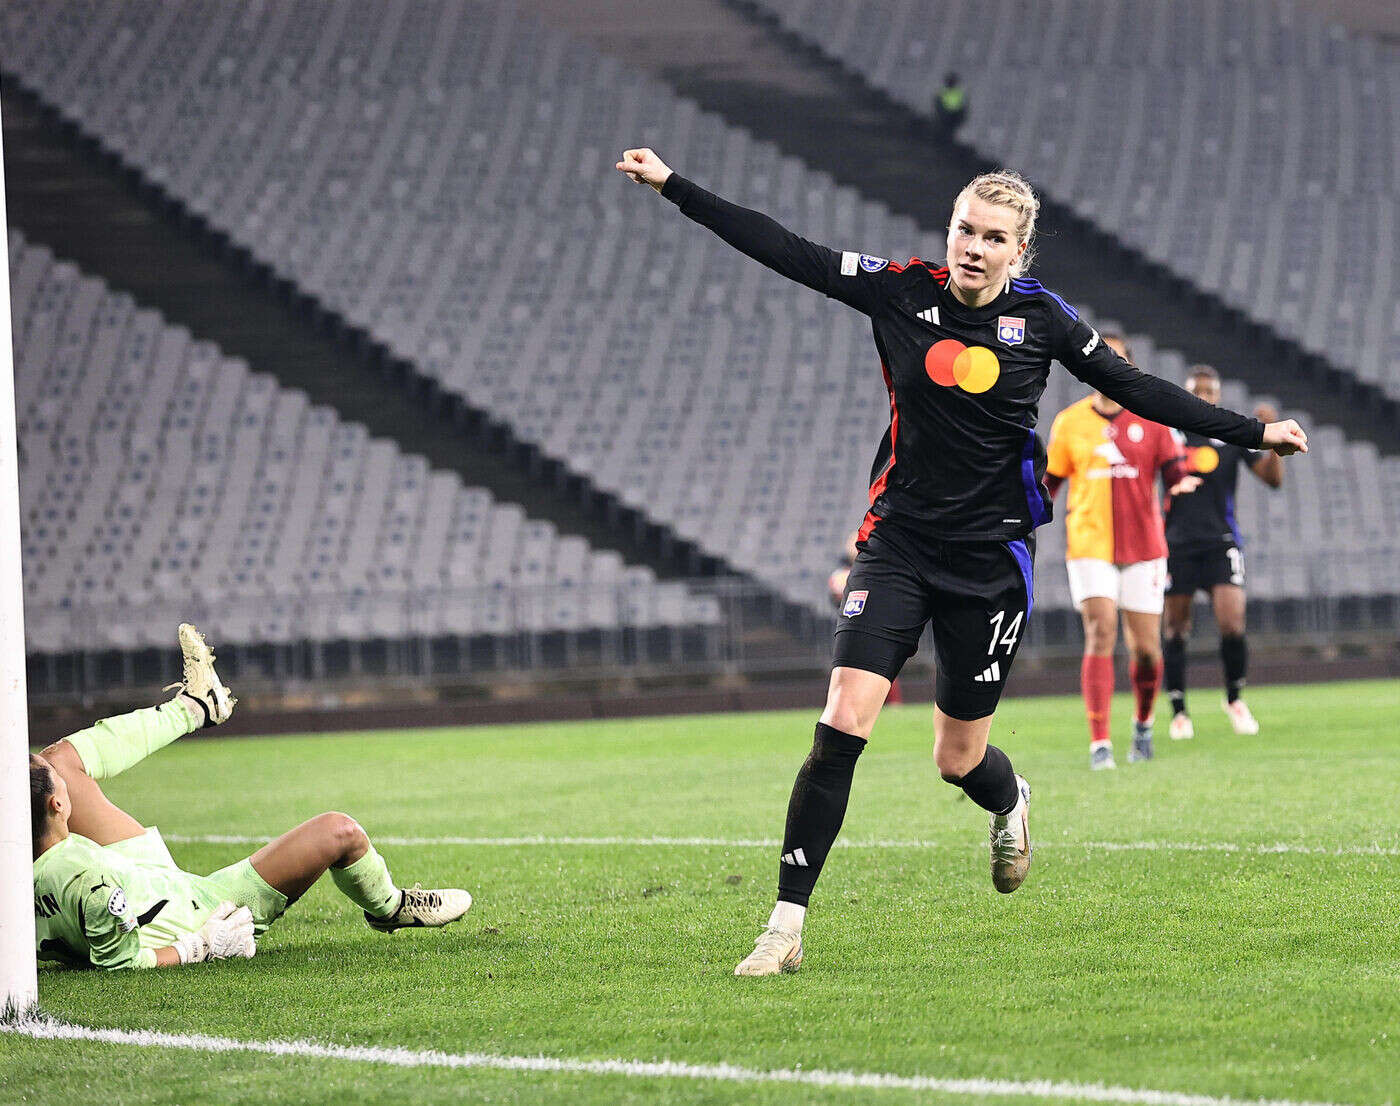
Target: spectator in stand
(950, 106)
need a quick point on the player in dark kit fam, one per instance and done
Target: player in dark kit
(956, 494)
(1205, 554)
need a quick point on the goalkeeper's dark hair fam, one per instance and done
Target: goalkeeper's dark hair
(40, 788)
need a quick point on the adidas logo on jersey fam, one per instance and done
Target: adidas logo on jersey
(1118, 468)
(1110, 452)
(989, 675)
(797, 858)
(930, 315)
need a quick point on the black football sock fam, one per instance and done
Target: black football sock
(992, 784)
(1234, 655)
(1174, 671)
(816, 810)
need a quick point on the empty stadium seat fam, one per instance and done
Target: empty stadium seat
(161, 481)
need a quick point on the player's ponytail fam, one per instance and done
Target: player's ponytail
(1007, 188)
(40, 788)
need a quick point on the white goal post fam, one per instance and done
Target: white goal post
(19, 988)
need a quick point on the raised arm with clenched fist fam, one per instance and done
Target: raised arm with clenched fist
(644, 167)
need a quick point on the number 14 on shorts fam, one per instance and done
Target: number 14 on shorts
(1005, 634)
(1010, 637)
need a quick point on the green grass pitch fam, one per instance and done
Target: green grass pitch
(1243, 940)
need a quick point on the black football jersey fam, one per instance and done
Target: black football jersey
(961, 458)
(1205, 519)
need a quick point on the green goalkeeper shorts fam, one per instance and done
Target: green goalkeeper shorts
(240, 883)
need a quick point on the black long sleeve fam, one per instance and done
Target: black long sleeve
(1093, 362)
(858, 280)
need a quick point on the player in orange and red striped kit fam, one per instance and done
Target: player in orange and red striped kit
(1116, 549)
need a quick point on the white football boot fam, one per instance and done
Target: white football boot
(1141, 748)
(1101, 758)
(201, 686)
(1241, 718)
(423, 909)
(1011, 842)
(1182, 728)
(776, 950)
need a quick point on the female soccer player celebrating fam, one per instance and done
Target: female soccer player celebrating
(956, 495)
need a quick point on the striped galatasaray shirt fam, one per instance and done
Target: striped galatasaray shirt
(1111, 463)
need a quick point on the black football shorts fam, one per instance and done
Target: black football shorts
(1203, 569)
(976, 594)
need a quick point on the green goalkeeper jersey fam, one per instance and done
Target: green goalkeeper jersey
(112, 906)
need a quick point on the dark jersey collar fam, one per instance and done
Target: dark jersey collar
(960, 310)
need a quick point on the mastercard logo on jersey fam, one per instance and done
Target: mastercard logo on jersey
(1204, 459)
(972, 368)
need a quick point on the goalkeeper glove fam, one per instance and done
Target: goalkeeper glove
(227, 933)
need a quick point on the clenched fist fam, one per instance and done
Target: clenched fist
(1285, 438)
(644, 167)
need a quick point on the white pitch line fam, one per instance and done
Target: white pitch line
(41, 1028)
(773, 843)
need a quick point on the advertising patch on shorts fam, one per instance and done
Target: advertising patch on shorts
(855, 603)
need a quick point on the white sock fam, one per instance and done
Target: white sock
(787, 915)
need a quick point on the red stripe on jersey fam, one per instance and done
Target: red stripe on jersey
(938, 274)
(877, 489)
(867, 526)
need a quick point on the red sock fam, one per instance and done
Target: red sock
(1147, 678)
(1096, 682)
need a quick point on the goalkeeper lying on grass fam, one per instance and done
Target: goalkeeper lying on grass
(108, 895)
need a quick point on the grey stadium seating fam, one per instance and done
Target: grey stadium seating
(731, 405)
(1252, 147)
(161, 479)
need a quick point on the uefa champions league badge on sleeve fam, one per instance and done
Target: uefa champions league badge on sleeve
(853, 263)
(855, 603)
(116, 906)
(1010, 330)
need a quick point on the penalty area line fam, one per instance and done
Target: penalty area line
(46, 1029)
(1280, 848)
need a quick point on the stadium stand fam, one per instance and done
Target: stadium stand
(161, 480)
(633, 347)
(1261, 136)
